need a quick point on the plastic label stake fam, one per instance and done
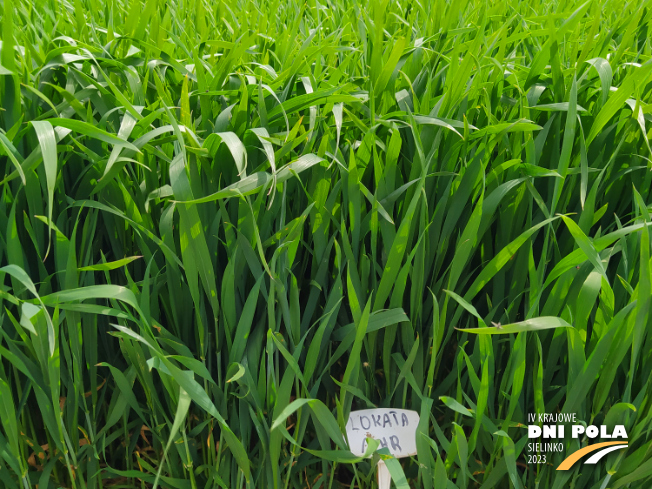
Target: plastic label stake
(395, 429)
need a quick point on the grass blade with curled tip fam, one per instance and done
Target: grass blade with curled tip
(534, 324)
(48, 142)
(109, 265)
(91, 131)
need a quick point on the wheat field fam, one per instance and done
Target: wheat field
(226, 224)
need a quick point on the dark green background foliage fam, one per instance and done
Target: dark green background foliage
(226, 224)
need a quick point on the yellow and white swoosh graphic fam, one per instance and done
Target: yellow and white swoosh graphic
(608, 446)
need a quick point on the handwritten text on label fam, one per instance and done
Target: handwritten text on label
(395, 429)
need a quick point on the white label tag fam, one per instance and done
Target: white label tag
(393, 428)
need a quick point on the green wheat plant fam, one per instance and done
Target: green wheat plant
(225, 224)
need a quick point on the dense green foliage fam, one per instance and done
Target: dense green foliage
(366, 183)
